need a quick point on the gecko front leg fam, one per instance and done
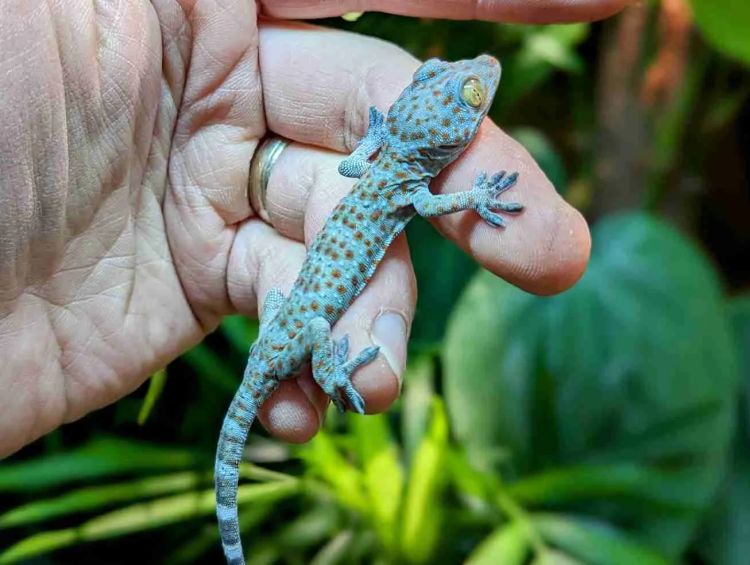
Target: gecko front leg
(357, 163)
(483, 197)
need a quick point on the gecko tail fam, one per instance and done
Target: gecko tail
(232, 439)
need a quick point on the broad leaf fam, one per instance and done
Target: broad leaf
(442, 271)
(632, 367)
(725, 25)
(726, 540)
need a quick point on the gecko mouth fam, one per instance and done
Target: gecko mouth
(439, 151)
(445, 150)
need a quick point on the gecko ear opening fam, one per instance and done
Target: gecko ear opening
(430, 69)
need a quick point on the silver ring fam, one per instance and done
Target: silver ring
(260, 171)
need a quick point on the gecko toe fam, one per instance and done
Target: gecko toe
(493, 219)
(511, 207)
(355, 400)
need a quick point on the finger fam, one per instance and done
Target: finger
(323, 99)
(303, 188)
(303, 174)
(295, 411)
(383, 313)
(543, 249)
(214, 81)
(262, 260)
(545, 11)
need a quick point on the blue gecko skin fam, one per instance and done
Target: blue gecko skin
(434, 119)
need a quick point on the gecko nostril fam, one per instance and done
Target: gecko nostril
(488, 60)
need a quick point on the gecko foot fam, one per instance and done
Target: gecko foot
(339, 385)
(489, 190)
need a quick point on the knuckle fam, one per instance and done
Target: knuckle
(376, 83)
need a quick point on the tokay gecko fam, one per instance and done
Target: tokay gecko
(433, 120)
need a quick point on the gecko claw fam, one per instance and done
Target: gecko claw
(354, 399)
(511, 207)
(493, 219)
(338, 386)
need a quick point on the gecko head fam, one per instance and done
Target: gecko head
(438, 115)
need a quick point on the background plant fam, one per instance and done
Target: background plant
(606, 425)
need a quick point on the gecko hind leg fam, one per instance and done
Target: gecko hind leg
(331, 369)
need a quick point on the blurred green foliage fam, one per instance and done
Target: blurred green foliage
(725, 25)
(609, 424)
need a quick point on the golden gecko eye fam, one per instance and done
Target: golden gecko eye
(472, 92)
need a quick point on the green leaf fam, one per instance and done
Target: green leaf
(442, 271)
(634, 366)
(371, 436)
(263, 554)
(210, 367)
(383, 476)
(507, 545)
(336, 550)
(196, 546)
(92, 498)
(142, 517)
(724, 24)
(662, 489)
(726, 539)
(310, 528)
(155, 387)
(419, 385)
(103, 457)
(423, 510)
(554, 557)
(543, 50)
(351, 16)
(468, 480)
(594, 542)
(324, 460)
(240, 331)
(726, 536)
(40, 544)
(739, 311)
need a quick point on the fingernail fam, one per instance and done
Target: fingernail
(389, 333)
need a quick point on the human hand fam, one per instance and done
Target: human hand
(125, 137)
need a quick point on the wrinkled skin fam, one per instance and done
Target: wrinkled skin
(125, 232)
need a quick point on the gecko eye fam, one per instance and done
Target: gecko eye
(472, 92)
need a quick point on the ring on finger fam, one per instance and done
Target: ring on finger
(261, 164)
